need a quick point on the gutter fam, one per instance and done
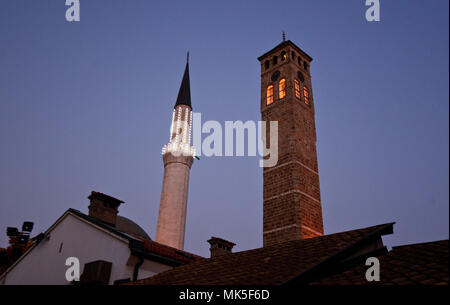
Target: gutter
(136, 268)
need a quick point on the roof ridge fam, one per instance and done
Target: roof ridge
(181, 252)
(370, 227)
(417, 244)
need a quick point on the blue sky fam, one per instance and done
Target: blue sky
(87, 106)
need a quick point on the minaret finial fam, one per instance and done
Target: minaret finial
(284, 36)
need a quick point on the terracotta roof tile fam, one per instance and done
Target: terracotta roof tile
(425, 263)
(274, 264)
(166, 251)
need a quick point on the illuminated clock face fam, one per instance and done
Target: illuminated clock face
(300, 76)
(275, 75)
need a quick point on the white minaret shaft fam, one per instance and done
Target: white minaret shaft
(178, 158)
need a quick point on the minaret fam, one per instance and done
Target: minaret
(178, 158)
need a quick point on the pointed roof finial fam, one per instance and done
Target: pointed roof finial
(184, 94)
(284, 36)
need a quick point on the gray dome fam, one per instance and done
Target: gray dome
(128, 226)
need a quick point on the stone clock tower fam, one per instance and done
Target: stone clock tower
(178, 158)
(292, 204)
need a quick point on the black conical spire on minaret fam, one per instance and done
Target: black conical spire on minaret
(184, 95)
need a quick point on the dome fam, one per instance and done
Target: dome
(128, 226)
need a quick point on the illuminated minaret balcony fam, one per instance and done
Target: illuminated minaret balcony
(180, 132)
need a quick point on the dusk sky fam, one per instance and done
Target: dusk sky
(88, 105)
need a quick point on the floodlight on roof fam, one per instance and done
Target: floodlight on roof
(27, 226)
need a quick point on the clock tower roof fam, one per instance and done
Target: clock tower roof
(284, 44)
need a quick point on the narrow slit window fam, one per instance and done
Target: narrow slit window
(275, 60)
(306, 95)
(297, 88)
(269, 94)
(282, 88)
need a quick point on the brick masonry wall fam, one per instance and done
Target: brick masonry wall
(172, 210)
(292, 202)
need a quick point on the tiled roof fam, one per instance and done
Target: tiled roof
(166, 251)
(425, 263)
(274, 264)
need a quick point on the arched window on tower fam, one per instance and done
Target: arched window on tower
(275, 60)
(282, 88)
(267, 64)
(269, 94)
(283, 56)
(306, 95)
(297, 88)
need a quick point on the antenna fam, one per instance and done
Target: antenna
(187, 57)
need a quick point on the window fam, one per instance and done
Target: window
(306, 95)
(297, 88)
(305, 65)
(267, 64)
(293, 55)
(275, 76)
(282, 88)
(300, 76)
(96, 272)
(269, 95)
(283, 56)
(275, 60)
(299, 60)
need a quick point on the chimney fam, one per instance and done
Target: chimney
(104, 207)
(220, 246)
